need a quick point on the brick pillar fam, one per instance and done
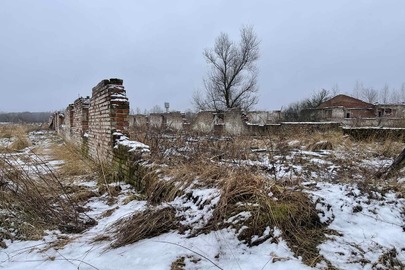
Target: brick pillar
(108, 116)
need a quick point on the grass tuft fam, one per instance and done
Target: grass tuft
(147, 224)
(270, 206)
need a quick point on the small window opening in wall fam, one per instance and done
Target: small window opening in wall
(348, 115)
(379, 113)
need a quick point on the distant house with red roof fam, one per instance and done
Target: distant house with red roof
(344, 107)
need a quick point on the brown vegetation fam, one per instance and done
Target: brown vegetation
(149, 223)
(73, 161)
(271, 202)
(270, 206)
(17, 134)
(33, 198)
(254, 201)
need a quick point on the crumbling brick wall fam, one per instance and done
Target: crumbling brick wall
(94, 123)
(77, 120)
(108, 119)
(81, 116)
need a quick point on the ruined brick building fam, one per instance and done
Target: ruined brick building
(352, 111)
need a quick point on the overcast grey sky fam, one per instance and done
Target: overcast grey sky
(53, 51)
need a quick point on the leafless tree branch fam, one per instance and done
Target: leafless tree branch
(232, 79)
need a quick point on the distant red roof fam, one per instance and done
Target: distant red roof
(346, 102)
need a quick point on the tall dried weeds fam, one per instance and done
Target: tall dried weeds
(74, 163)
(32, 196)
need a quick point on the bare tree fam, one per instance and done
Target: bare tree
(231, 81)
(335, 90)
(402, 92)
(369, 94)
(395, 96)
(318, 98)
(358, 89)
(385, 94)
(298, 111)
(156, 109)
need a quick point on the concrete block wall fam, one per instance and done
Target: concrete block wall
(128, 166)
(56, 121)
(72, 124)
(156, 120)
(204, 122)
(68, 124)
(233, 123)
(174, 121)
(262, 118)
(374, 122)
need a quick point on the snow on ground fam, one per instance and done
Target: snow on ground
(366, 228)
(6, 142)
(363, 226)
(221, 247)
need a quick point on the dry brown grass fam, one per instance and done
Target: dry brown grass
(74, 162)
(388, 148)
(60, 243)
(21, 142)
(6, 131)
(34, 199)
(270, 206)
(147, 224)
(178, 264)
(159, 191)
(243, 189)
(17, 134)
(9, 130)
(389, 260)
(334, 137)
(216, 163)
(181, 176)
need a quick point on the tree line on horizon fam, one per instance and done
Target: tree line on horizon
(24, 117)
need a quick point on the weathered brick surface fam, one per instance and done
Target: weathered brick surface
(76, 124)
(108, 114)
(93, 123)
